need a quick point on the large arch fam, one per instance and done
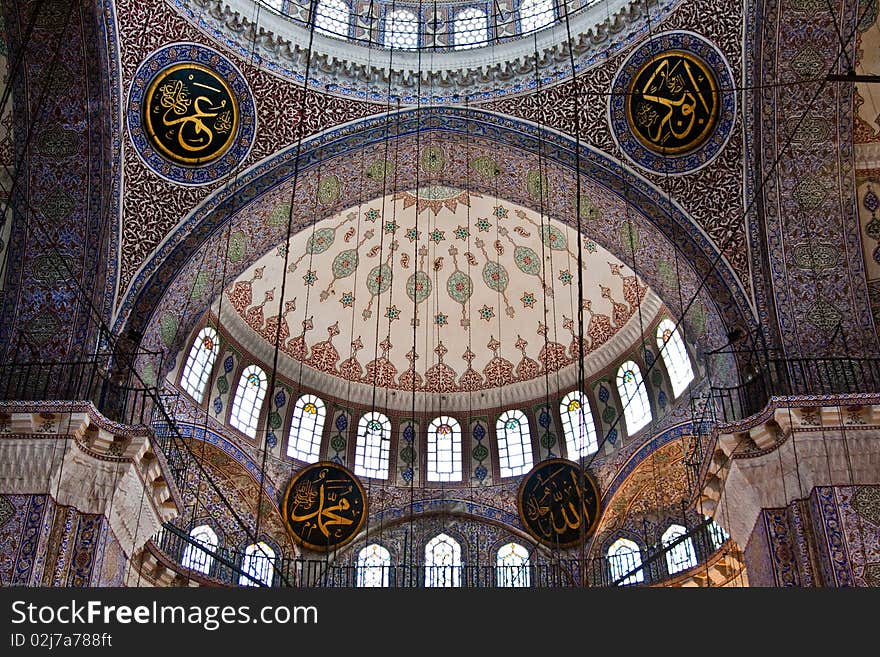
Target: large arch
(475, 150)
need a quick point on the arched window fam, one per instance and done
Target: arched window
(373, 445)
(675, 356)
(258, 562)
(577, 423)
(680, 556)
(512, 566)
(248, 400)
(444, 449)
(716, 533)
(304, 442)
(636, 408)
(470, 28)
(535, 14)
(624, 556)
(332, 17)
(514, 443)
(401, 29)
(373, 566)
(196, 558)
(199, 363)
(443, 562)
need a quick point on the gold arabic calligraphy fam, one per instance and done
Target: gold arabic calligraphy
(191, 114)
(672, 106)
(555, 507)
(324, 506)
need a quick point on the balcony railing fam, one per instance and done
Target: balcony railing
(232, 568)
(795, 377)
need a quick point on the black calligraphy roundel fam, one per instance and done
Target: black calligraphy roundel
(558, 503)
(325, 506)
(672, 102)
(190, 114)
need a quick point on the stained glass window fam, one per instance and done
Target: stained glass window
(194, 557)
(471, 28)
(373, 566)
(681, 556)
(514, 443)
(304, 442)
(577, 424)
(636, 408)
(248, 401)
(624, 556)
(332, 17)
(444, 449)
(401, 29)
(675, 356)
(535, 14)
(443, 562)
(512, 566)
(373, 445)
(716, 533)
(199, 363)
(258, 562)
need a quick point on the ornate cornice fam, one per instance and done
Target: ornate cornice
(350, 69)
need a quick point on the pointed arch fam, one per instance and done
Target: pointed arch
(512, 566)
(680, 556)
(675, 356)
(577, 424)
(373, 446)
(631, 387)
(373, 567)
(625, 556)
(196, 558)
(306, 427)
(514, 443)
(259, 563)
(248, 403)
(444, 449)
(443, 562)
(200, 363)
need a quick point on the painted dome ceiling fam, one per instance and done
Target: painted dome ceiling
(444, 291)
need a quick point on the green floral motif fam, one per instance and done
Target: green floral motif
(274, 420)
(418, 287)
(328, 190)
(49, 268)
(629, 237)
(337, 443)
(345, 263)
(527, 260)
(148, 374)
(237, 246)
(666, 273)
(548, 440)
(379, 279)
(697, 315)
(199, 285)
(56, 206)
(408, 454)
(42, 328)
(460, 287)
(809, 194)
(433, 159)
(588, 208)
(168, 329)
(480, 452)
(536, 184)
(656, 378)
(609, 414)
(279, 215)
(553, 238)
(495, 276)
(320, 240)
(379, 169)
(486, 167)
(222, 385)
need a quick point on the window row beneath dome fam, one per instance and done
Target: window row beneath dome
(444, 432)
(408, 26)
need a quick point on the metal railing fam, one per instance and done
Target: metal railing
(86, 380)
(792, 377)
(234, 568)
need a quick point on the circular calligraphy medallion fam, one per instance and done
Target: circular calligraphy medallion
(672, 105)
(672, 102)
(558, 503)
(324, 507)
(191, 115)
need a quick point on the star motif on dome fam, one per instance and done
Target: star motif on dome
(372, 214)
(462, 233)
(437, 235)
(590, 246)
(528, 300)
(392, 312)
(565, 276)
(487, 312)
(412, 234)
(347, 300)
(390, 227)
(500, 212)
(282, 250)
(441, 319)
(310, 277)
(483, 225)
